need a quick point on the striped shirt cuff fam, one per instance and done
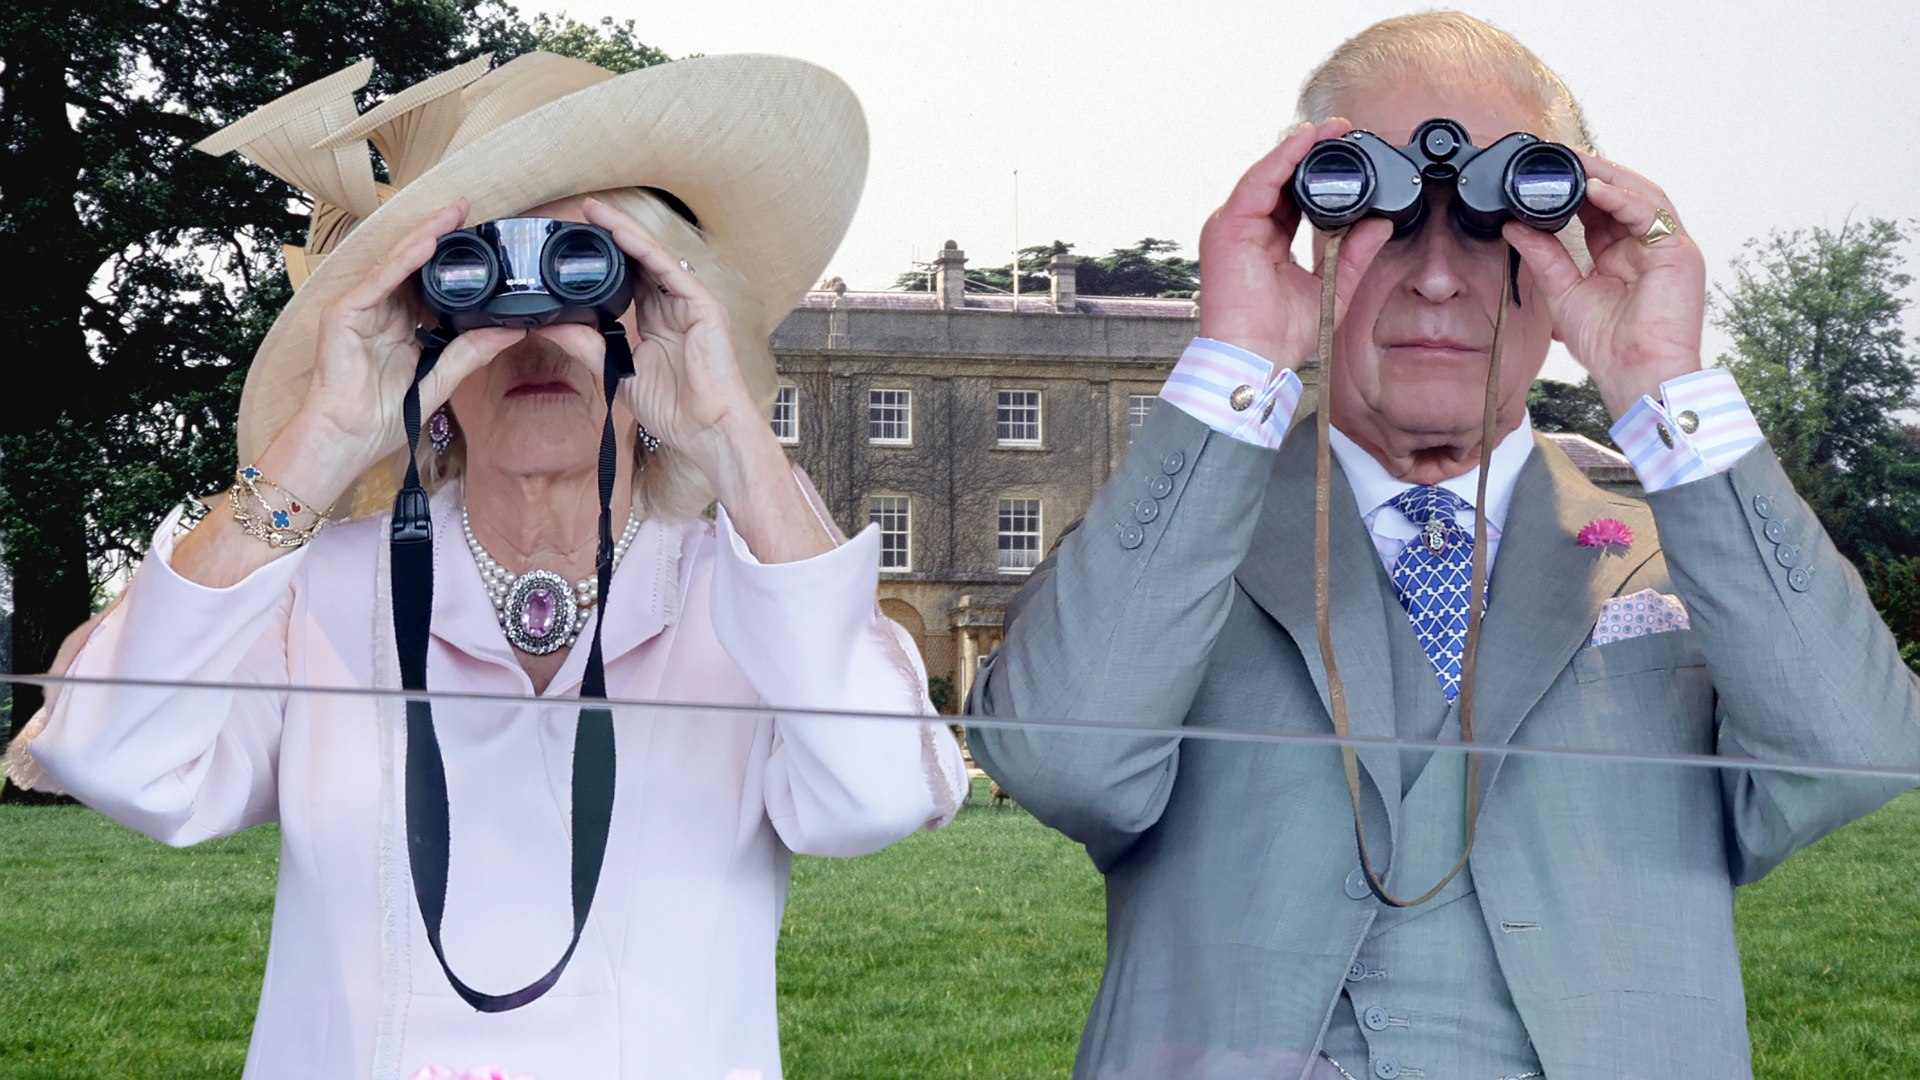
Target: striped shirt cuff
(1699, 428)
(1236, 393)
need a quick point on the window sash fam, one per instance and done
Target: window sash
(786, 420)
(894, 515)
(1017, 416)
(1019, 535)
(1138, 406)
(890, 416)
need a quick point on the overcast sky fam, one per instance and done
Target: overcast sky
(1129, 119)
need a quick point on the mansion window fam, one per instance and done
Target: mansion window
(894, 515)
(1138, 406)
(890, 417)
(786, 420)
(1017, 417)
(1019, 535)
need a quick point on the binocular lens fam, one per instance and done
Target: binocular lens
(460, 273)
(1545, 181)
(1333, 180)
(580, 264)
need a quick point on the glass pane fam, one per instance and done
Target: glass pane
(1018, 416)
(889, 415)
(786, 425)
(1601, 897)
(893, 514)
(1138, 406)
(1019, 540)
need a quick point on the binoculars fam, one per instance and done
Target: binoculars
(1521, 177)
(527, 272)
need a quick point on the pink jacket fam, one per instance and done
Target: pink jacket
(674, 976)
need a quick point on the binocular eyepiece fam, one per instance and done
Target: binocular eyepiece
(527, 272)
(1534, 182)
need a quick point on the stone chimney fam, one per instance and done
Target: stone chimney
(950, 277)
(1063, 269)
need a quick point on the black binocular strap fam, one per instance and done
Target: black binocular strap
(410, 551)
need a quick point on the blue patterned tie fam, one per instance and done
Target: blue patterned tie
(1434, 575)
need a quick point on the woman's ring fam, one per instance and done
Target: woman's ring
(1663, 226)
(687, 266)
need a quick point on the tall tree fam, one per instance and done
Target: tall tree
(1147, 267)
(1815, 317)
(151, 271)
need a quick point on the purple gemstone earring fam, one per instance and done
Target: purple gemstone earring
(440, 430)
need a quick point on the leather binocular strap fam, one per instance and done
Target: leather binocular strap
(1322, 604)
(410, 552)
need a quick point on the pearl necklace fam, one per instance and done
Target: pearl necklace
(539, 611)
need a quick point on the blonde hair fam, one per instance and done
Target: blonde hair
(665, 484)
(1449, 47)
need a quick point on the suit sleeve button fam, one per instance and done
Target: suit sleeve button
(1799, 580)
(1146, 510)
(1160, 486)
(1173, 462)
(1776, 531)
(1131, 536)
(1357, 885)
(1763, 506)
(1787, 555)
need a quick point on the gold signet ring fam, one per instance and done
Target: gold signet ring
(1663, 226)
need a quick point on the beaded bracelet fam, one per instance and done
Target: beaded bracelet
(277, 529)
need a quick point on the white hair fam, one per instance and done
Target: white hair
(1449, 48)
(665, 484)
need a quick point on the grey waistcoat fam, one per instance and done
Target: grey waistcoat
(1425, 997)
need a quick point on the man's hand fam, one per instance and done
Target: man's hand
(1634, 321)
(1252, 294)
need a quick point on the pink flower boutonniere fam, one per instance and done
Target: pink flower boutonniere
(1606, 533)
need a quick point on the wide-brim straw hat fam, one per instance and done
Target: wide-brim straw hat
(769, 153)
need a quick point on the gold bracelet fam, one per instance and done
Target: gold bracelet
(277, 530)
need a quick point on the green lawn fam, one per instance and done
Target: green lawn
(972, 952)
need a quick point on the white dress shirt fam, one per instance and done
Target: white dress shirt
(1373, 487)
(1699, 426)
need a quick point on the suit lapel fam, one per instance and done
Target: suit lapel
(1546, 590)
(1278, 575)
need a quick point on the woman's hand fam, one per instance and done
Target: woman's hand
(350, 419)
(687, 387)
(364, 363)
(688, 390)
(1635, 320)
(1253, 295)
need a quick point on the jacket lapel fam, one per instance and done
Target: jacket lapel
(1546, 590)
(1278, 575)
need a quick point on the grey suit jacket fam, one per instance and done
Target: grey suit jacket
(1607, 888)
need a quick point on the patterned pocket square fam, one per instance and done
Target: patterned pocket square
(1645, 612)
